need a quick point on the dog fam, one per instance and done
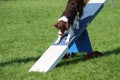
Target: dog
(70, 19)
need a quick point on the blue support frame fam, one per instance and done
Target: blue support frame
(82, 44)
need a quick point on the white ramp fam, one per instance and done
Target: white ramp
(55, 52)
(49, 59)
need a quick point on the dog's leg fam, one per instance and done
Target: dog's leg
(71, 30)
(60, 35)
(70, 34)
(68, 38)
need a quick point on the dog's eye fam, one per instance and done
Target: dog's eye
(73, 4)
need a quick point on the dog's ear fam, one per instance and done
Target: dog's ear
(56, 25)
(85, 2)
(67, 26)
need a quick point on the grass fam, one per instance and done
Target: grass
(24, 38)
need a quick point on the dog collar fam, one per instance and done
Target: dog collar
(63, 18)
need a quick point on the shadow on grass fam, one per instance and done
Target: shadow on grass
(74, 60)
(78, 58)
(19, 61)
(115, 51)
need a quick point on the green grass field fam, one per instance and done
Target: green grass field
(26, 31)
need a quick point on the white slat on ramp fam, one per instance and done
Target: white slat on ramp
(50, 58)
(55, 52)
(97, 1)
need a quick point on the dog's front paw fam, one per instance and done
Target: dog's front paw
(56, 42)
(58, 39)
(67, 41)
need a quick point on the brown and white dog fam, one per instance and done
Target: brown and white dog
(69, 19)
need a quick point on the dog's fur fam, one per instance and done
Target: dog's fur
(68, 17)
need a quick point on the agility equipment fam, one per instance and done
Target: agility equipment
(78, 43)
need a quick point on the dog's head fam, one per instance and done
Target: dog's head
(62, 26)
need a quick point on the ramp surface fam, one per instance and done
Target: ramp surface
(50, 58)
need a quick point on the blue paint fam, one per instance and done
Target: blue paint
(82, 44)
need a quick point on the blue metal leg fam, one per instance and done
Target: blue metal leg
(82, 44)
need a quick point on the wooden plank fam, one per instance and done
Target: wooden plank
(49, 59)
